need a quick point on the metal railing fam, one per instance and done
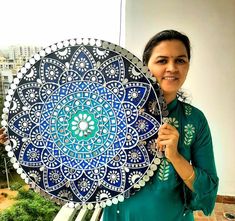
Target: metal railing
(67, 213)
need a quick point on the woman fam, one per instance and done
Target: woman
(187, 179)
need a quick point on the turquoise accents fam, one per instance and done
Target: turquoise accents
(83, 125)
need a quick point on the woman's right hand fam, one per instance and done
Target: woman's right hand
(3, 136)
(168, 138)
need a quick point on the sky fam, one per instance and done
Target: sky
(45, 22)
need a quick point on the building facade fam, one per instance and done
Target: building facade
(11, 60)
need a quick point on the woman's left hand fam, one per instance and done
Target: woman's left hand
(167, 141)
(3, 136)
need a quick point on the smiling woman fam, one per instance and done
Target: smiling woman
(186, 179)
(169, 63)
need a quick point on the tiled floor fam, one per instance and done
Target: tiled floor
(218, 213)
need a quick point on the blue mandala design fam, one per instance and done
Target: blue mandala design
(79, 120)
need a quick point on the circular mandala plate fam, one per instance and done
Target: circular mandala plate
(81, 117)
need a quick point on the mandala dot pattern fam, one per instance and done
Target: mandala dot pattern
(81, 117)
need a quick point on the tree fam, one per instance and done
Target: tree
(3, 152)
(30, 206)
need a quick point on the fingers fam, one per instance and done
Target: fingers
(167, 128)
(163, 131)
(167, 137)
(164, 137)
(163, 143)
(3, 136)
(160, 147)
(166, 132)
(2, 141)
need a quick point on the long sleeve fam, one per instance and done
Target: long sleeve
(206, 181)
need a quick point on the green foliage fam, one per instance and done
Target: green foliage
(89, 215)
(14, 177)
(16, 186)
(23, 194)
(3, 185)
(30, 206)
(3, 154)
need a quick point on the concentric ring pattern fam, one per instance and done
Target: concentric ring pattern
(81, 117)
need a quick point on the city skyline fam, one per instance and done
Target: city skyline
(13, 51)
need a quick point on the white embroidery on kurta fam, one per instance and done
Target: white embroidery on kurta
(189, 131)
(164, 170)
(173, 122)
(188, 110)
(165, 119)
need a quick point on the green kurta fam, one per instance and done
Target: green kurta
(166, 197)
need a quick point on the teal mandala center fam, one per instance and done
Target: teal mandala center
(83, 125)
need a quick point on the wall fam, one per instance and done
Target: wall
(210, 25)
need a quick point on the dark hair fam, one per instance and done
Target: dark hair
(162, 36)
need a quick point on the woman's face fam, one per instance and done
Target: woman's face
(169, 63)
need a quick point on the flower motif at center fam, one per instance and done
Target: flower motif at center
(83, 125)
